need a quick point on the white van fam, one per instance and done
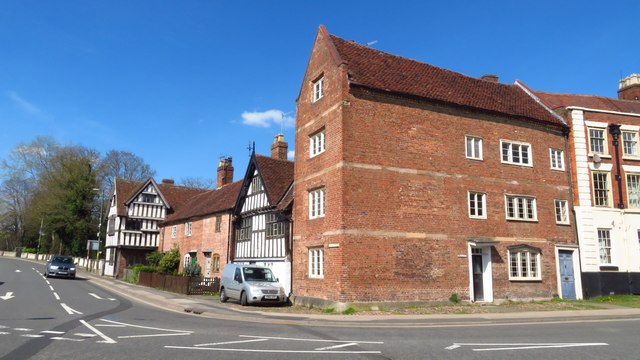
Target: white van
(250, 284)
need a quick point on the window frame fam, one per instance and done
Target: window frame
(218, 226)
(318, 89)
(472, 204)
(604, 140)
(595, 191)
(316, 262)
(601, 239)
(511, 152)
(470, 144)
(274, 226)
(556, 158)
(561, 208)
(317, 200)
(532, 261)
(630, 195)
(625, 141)
(521, 204)
(317, 143)
(174, 231)
(188, 228)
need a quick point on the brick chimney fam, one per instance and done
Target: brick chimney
(279, 148)
(490, 77)
(225, 172)
(168, 181)
(629, 88)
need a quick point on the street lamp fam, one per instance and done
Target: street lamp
(100, 221)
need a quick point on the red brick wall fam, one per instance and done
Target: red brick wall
(203, 238)
(396, 181)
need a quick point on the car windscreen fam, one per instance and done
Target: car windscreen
(258, 274)
(62, 260)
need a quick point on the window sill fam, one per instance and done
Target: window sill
(563, 223)
(526, 279)
(474, 159)
(602, 156)
(523, 220)
(631, 157)
(517, 164)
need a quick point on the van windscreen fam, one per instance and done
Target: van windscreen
(258, 274)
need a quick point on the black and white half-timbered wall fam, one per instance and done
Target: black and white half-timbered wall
(262, 224)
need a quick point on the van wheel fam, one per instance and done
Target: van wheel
(243, 299)
(223, 295)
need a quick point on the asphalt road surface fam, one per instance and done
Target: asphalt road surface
(76, 319)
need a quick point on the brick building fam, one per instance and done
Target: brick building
(414, 182)
(605, 168)
(201, 228)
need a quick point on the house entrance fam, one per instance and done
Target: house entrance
(477, 272)
(567, 278)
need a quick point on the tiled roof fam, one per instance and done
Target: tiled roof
(277, 176)
(207, 203)
(556, 101)
(124, 190)
(386, 72)
(177, 196)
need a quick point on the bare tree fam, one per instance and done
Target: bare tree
(124, 165)
(197, 182)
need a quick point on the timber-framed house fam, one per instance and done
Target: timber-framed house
(262, 215)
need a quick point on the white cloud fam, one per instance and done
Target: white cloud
(291, 154)
(267, 118)
(23, 104)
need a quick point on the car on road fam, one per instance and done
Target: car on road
(60, 266)
(250, 284)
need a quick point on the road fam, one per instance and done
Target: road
(76, 319)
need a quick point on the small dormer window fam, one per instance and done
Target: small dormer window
(318, 89)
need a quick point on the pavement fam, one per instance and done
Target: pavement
(211, 307)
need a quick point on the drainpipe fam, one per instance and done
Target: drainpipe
(614, 130)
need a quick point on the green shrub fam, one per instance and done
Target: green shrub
(153, 258)
(349, 311)
(192, 270)
(170, 262)
(454, 298)
(329, 310)
(144, 268)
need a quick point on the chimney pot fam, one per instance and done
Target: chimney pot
(279, 148)
(225, 172)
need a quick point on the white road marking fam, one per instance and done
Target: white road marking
(147, 327)
(22, 329)
(32, 335)
(151, 335)
(55, 294)
(110, 325)
(66, 339)
(96, 296)
(70, 310)
(112, 299)
(522, 346)
(85, 335)
(4, 333)
(336, 346)
(107, 340)
(52, 332)
(312, 340)
(273, 351)
(3, 327)
(18, 270)
(231, 342)
(51, 287)
(8, 296)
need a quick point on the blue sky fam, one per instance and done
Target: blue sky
(182, 83)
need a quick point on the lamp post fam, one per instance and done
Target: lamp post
(100, 217)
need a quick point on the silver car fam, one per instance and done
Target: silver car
(62, 266)
(250, 284)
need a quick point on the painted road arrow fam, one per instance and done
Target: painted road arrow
(8, 296)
